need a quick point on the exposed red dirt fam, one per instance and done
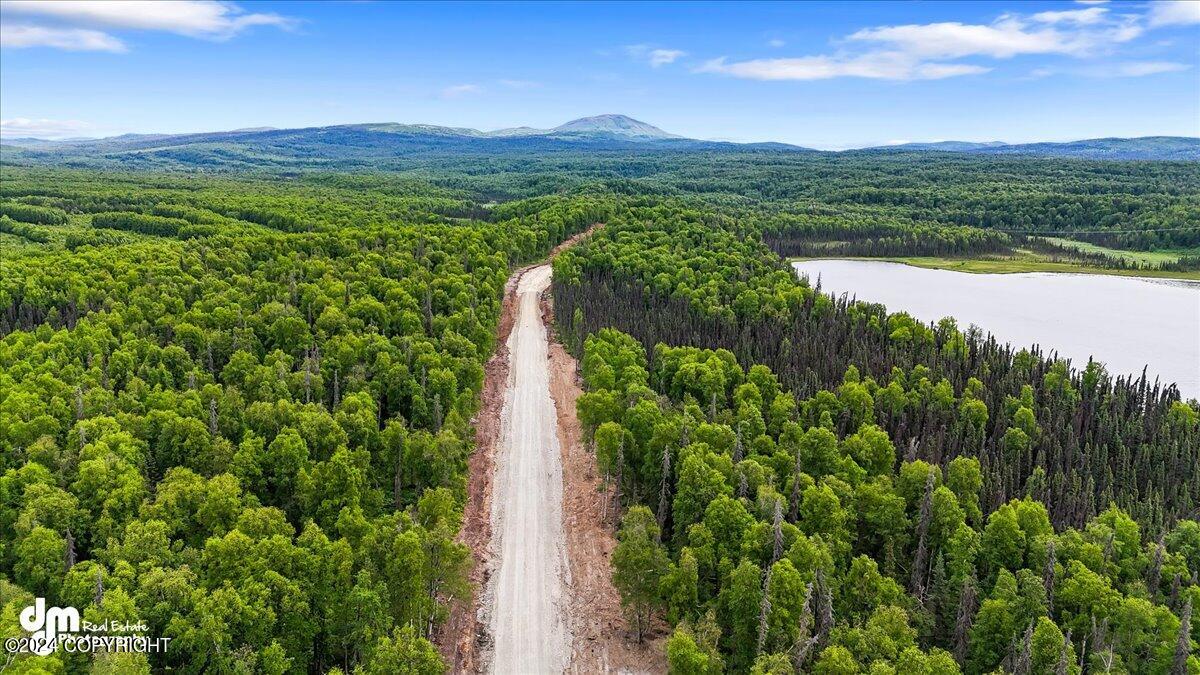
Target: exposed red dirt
(458, 640)
(574, 239)
(602, 641)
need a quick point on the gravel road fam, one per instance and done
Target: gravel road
(528, 590)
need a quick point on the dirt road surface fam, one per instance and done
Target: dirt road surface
(578, 625)
(525, 603)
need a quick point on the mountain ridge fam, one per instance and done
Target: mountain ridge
(381, 141)
(1110, 147)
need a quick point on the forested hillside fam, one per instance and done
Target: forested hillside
(238, 406)
(843, 198)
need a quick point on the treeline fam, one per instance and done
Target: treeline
(777, 539)
(1083, 437)
(855, 234)
(24, 230)
(283, 222)
(286, 204)
(1147, 205)
(254, 442)
(1056, 251)
(138, 222)
(1158, 219)
(822, 230)
(31, 213)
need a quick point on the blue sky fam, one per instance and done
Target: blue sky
(826, 75)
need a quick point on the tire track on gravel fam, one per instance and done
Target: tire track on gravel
(527, 592)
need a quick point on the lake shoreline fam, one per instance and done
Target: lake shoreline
(1070, 314)
(986, 266)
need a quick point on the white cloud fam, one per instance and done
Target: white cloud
(20, 36)
(1139, 68)
(776, 43)
(939, 50)
(194, 18)
(661, 57)
(1173, 13)
(86, 26)
(873, 65)
(1008, 36)
(459, 90)
(1117, 69)
(656, 57)
(42, 128)
(1083, 17)
(938, 71)
(1142, 68)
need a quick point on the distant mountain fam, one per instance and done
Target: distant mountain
(600, 126)
(615, 125)
(389, 145)
(370, 146)
(1144, 148)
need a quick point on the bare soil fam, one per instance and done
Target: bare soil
(462, 638)
(601, 639)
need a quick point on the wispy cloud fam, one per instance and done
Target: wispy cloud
(460, 90)
(1008, 36)
(1132, 69)
(1083, 17)
(1141, 68)
(874, 65)
(42, 128)
(20, 36)
(776, 43)
(661, 57)
(655, 56)
(1174, 13)
(64, 24)
(940, 50)
(1117, 69)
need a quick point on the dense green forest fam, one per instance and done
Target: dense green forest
(253, 436)
(778, 540)
(237, 406)
(664, 274)
(929, 499)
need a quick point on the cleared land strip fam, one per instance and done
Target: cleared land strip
(537, 608)
(528, 591)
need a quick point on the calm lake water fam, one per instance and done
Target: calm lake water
(1126, 323)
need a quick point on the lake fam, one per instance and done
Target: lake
(1126, 323)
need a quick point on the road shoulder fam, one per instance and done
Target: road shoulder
(602, 641)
